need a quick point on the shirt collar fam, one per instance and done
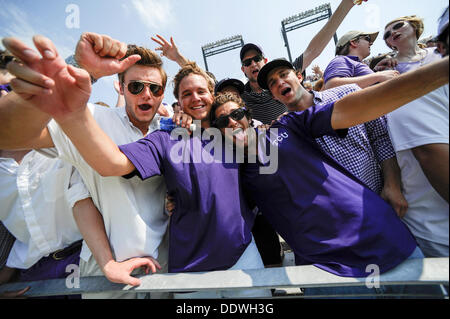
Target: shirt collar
(318, 97)
(353, 57)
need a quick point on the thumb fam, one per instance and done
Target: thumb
(82, 78)
(128, 62)
(132, 281)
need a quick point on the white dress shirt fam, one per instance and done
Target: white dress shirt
(34, 207)
(132, 209)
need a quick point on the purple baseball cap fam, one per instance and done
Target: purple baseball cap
(250, 46)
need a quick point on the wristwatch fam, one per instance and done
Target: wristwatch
(71, 60)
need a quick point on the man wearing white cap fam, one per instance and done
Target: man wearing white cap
(347, 67)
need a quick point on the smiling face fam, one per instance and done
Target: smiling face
(141, 108)
(286, 87)
(237, 129)
(252, 71)
(195, 97)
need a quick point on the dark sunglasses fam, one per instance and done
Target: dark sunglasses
(223, 121)
(136, 87)
(395, 27)
(256, 58)
(367, 38)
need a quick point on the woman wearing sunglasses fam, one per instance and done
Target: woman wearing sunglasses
(419, 134)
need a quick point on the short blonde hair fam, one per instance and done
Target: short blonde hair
(191, 68)
(415, 21)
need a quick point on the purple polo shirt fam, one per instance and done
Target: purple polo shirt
(345, 66)
(328, 217)
(210, 227)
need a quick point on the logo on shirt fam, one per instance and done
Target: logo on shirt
(278, 139)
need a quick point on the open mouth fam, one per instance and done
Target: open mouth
(239, 134)
(144, 107)
(197, 107)
(396, 37)
(255, 72)
(285, 91)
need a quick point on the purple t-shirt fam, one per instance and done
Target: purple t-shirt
(328, 217)
(345, 66)
(210, 227)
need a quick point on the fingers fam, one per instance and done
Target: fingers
(20, 50)
(45, 47)
(27, 74)
(26, 90)
(82, 78)
(128, 62)
(164, 41)
(15, 294)
(96, 40)
(157, 41)
(107, 47)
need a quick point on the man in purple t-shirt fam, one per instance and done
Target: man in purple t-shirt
(347, 67)
(324, 213)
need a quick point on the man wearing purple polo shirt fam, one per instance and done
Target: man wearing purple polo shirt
(329, 217)
(366, 151)
(347, 67)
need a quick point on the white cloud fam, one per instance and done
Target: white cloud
(17, 24)
(155, 14)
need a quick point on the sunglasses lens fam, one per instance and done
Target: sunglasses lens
(157, 90)
(135, 87)
(256, 58)
(222, 122)
(398, 26)
(237, 114)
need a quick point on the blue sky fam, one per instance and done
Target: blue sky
(198, 22)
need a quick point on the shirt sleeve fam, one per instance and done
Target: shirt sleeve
(77, 190)
(146, 154)
(313, 122)
(339, 67)
(379, 139)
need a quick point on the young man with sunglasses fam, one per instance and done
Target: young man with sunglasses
(347, 67)
(132, 211)
(333, 221)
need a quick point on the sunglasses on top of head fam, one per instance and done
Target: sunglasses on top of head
(256, 58)
(395, 27)
(136, 87)
(222, 121)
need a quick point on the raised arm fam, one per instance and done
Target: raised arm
(362, 81)
(170, 50)
(321, 39)
(373, 102)
(24, 126)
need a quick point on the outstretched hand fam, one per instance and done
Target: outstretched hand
(169, 50)
(120, 272)
(100, 55)
(45, 80)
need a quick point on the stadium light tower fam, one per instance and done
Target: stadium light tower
(221, 46)
(303, 19)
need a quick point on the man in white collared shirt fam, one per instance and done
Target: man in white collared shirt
(134, 221)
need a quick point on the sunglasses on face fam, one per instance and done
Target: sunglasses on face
(224, 120)
(395, 27)
(136, 87)
(367, 38)
(256, 58)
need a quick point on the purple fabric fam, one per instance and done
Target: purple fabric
(328, 217)
(344, 66)
(364, 148)
(431, 56)
(210, 228)
(49, 268)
